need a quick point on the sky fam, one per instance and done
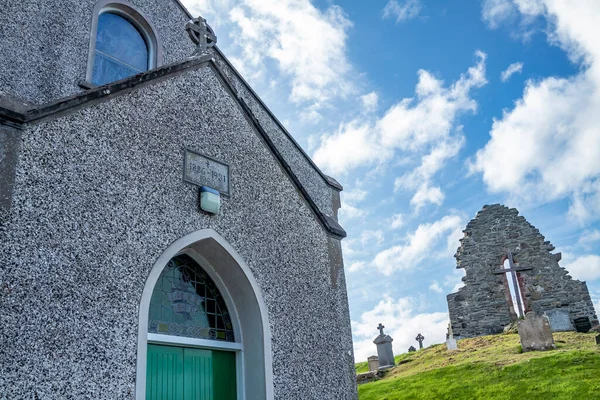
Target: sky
(426, 111)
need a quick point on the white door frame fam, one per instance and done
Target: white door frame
(186, 245)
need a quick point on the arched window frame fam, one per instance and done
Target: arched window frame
(254, 368)
(128, 11)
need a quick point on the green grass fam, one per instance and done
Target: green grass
(493, 367)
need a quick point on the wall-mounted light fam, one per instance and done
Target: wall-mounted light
(210, 200)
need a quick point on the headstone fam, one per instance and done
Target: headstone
(450, 341)
(384, 349)
(560, 321)
(451, 344)
(373, 363)
(582, 324)
(420, 339)
(598, 339)
(411, 349)
(535, 333)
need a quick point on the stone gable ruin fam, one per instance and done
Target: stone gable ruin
(486, 304)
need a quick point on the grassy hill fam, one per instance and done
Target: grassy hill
(493, 367)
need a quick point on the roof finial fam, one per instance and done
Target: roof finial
(201, 34)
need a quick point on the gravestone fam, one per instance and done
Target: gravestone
(373, 362)
(384, 349)
(582, 324)
(420, 339)
(560, 321)
(598, 339)
(451, 344)
(411, 349)
(450, 340)
(535, 333)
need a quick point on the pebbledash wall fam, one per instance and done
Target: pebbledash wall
(92, 195)
(483, 305)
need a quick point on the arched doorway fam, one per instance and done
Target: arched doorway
(203, 331)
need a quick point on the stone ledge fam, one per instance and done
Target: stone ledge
(370, 376)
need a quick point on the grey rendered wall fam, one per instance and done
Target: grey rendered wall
(98, 196)
(481, 306)
(44, 45)
(44, 50)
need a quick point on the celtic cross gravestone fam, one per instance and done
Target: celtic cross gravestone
(420, 339)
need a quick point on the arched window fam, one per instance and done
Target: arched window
(123, 43)
(186, 302)
(121, 50)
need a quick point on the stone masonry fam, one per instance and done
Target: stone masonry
(484, 305)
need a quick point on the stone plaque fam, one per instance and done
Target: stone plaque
(582, 324)
(559, 320)
(201, 170)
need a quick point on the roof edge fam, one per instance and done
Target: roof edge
(328, 180)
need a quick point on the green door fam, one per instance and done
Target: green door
(180, 373)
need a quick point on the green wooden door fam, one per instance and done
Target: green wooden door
(180, 373)
(164, 373)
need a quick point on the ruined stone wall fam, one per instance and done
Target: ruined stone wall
(483, 306)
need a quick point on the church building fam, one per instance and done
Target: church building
(162, 235)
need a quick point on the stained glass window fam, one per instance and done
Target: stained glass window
(121, 50)
(186, 302)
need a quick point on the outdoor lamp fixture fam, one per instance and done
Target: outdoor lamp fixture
(210, 200)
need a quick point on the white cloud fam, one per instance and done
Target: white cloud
(350, 201)
(301, 45)
(584, 268)
(420, 178)
(403, 10)
(356, 266)
(354, 196)
(426, 194)
(368, 237)
(498, 12)
(348, 211)
(512, 69)
(495, 12)
(369, 101)
(414, 123)
(548, 146)
(454, 281)
(589, 237)
(422, 126)
(418, 246)
(352, 146)
(435, 286)
(397, 221)
(402, 322)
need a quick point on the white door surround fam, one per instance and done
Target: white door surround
(243, 299)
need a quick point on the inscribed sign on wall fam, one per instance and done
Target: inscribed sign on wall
(204, 171)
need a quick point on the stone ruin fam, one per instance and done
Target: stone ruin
(485, 304)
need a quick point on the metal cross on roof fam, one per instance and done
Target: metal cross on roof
(380, 327)
(201, 34)
(512, 269)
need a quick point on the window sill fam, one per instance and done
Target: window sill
(86, 85)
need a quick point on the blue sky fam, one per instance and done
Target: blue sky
(425, 111)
